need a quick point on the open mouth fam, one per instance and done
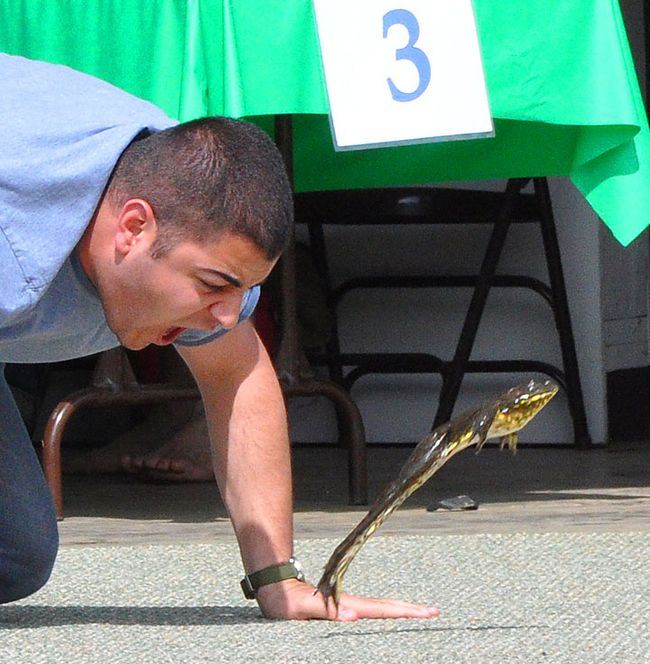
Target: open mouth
(171, 335)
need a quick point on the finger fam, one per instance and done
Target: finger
(383, 608)
(354, 608)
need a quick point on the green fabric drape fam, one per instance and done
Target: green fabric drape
(561, 81)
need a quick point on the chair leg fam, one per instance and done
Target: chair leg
(96, 396)
(352, 432)
(52, 444)
(562, 316)
(333, 347)
(455, 371)
(289, 355)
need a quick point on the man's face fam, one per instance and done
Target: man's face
(153, 300)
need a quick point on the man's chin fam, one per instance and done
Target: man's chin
(133, 342)
(137, 346)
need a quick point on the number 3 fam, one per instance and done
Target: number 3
(408, 52)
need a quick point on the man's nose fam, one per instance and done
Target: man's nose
(226, 311)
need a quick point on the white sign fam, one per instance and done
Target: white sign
(402, 71)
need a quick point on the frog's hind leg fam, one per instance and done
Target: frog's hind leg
(510, 440)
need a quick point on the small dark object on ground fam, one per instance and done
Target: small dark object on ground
(455, 504)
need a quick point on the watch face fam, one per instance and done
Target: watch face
(300, 574)
(246, 586)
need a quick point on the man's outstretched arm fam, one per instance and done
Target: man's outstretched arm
(251, 455)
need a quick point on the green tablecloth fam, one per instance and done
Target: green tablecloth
(561, 81)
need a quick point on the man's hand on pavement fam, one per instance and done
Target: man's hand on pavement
(295, 600)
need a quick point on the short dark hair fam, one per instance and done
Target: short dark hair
(207, 176)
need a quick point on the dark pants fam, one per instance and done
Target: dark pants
(29, 538)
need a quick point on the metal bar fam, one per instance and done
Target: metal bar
(93, 396)
(352, 431)
(451, 384)
(562, 315)
(289, 357)
(440, 281)
(286, 360)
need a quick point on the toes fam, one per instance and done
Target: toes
(177, 465)
(130, 463)
(163, 468)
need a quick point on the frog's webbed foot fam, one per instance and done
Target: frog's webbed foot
(510, 440)
(329, 587)
(330, 584)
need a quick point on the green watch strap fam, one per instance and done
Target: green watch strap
(272, 574)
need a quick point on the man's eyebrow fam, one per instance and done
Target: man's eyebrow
(233, 281)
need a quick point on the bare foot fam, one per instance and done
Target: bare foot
(184, 457)
(144, 437)
(171, 444)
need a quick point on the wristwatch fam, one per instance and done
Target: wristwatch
(251, 583)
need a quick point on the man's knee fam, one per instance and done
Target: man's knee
(27, 566)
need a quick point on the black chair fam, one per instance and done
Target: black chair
(431, 205)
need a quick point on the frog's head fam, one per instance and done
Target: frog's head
(516, 407)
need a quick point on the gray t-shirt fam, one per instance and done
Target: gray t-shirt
(60, 137)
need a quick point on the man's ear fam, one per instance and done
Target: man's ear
(136, 224)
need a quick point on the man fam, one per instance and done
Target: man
(118, 226)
